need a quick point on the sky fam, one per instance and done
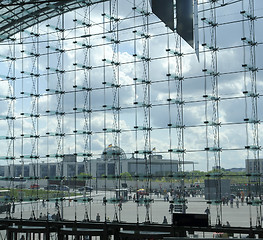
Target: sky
(232, 108)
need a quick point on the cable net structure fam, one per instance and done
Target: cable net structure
(102, 96)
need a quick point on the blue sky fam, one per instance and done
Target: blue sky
(233, 135)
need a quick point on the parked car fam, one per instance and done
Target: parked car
(63, 188)
(86, 188)
(34, 186)
(20, 186)
(51, 187)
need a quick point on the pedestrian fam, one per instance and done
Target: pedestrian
(13, 207)
(104, 201)
(207, 211)
(167, 197)
(227, 200)
(98, 217)
(184, 207)
(231, 202)
(171, 208)
(8, 209)
(165, 220)
(120, 205)
(22, 237)
(237, 203)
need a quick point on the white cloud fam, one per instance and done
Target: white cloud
(195, 85)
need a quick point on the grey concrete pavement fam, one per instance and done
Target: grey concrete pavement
(131, 212)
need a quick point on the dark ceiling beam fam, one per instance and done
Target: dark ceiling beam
(18, 15)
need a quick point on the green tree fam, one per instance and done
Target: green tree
(126, 176)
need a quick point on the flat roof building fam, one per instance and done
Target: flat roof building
(113, 161)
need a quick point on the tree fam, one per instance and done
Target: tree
(126, 176)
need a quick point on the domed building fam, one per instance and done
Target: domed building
(113, 153)
(111, 161)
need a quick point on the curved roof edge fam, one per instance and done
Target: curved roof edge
(16, 16)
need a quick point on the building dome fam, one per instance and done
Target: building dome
(113, 153)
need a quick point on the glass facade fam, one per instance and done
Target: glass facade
(19, 15)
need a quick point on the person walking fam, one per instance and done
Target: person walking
(231, 202)
(237, 203)
(120, 205)
(207, 212)
(98, 217)
(13, 207)
(171, 208)
(165, 220)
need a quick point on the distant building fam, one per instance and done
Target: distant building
(254, 165)
(16, 170)
(113, 161)
(235, 170)
(157, 166)
(217, 168)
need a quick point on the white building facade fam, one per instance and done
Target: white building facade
(113, 162)
(254, 166)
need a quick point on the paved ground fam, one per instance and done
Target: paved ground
(131, 211)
